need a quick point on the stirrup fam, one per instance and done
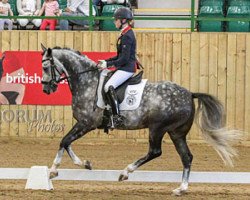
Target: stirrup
(116, 120)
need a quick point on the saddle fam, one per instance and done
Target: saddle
(120, 91)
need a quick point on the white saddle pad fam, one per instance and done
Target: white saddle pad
(132, 98)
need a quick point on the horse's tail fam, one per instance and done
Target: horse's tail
(210, 118)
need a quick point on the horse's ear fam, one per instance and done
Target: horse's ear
(43, 47)
(49, 52)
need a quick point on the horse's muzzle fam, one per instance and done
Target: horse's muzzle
(49, 86)
(53, 85)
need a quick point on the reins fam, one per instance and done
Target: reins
(83, 72)
(53, 74)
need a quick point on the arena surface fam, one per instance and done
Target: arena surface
(112, 154)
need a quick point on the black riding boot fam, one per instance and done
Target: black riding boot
(113, 102)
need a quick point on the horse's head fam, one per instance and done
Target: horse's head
(52, 70)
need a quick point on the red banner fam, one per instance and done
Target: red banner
(21, 75)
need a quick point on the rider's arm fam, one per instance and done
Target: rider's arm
(126, 43)
(112, 58)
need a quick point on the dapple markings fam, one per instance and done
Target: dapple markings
(165, 107)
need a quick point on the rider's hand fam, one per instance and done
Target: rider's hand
(102, 64)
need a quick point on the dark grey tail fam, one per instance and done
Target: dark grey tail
(210, 118)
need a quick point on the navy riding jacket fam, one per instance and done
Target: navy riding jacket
(126, 50)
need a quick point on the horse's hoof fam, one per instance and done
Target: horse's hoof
(123, 177)
(53, 175)
(87, 164)
(178, 192)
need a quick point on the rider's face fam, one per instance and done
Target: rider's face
(117, 23)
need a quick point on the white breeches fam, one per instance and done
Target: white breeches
(117, 79)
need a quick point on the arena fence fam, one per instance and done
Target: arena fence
(193, 18)
(214, 63)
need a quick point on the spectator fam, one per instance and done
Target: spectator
(101, 3)
(51, 8)
(114, 1)
(96, 2)
(77, 8)
(29, 8)
(5, 10)
(125, 3)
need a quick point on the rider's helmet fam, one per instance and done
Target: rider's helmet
(123, 13)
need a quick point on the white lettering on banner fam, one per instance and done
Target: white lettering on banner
(26, 79)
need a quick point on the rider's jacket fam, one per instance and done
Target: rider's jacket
(126, 50)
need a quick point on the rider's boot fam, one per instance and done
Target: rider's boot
(113, 102)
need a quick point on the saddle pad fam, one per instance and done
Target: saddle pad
(132, 98)
(133, 95)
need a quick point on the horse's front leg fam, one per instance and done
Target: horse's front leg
(155, 140)
(77, 161)
(75, 133)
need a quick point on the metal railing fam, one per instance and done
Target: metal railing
(193, 17)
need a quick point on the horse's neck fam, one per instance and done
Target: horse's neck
(82, 78)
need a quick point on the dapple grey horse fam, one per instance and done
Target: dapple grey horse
(165, 108)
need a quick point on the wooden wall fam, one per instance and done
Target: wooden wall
(215, 63)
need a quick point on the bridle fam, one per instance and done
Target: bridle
(53, 82)
(53, 69)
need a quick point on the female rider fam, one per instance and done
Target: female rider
(124, 62)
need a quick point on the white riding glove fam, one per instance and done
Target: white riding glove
(102, 64)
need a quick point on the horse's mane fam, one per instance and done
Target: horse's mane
(66, 48)
(86, 59)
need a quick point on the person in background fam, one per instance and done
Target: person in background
(29, 8)
(114, 1)
(102, 3)
(96, 2)
(125, 3)
(50, 7)
(125, 62)
(77, 8)
(5, 10)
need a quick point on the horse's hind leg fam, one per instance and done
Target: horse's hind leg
(186, 158)
(155, 140)
(75, 133)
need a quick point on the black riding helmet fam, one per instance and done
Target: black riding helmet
(123, 13)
